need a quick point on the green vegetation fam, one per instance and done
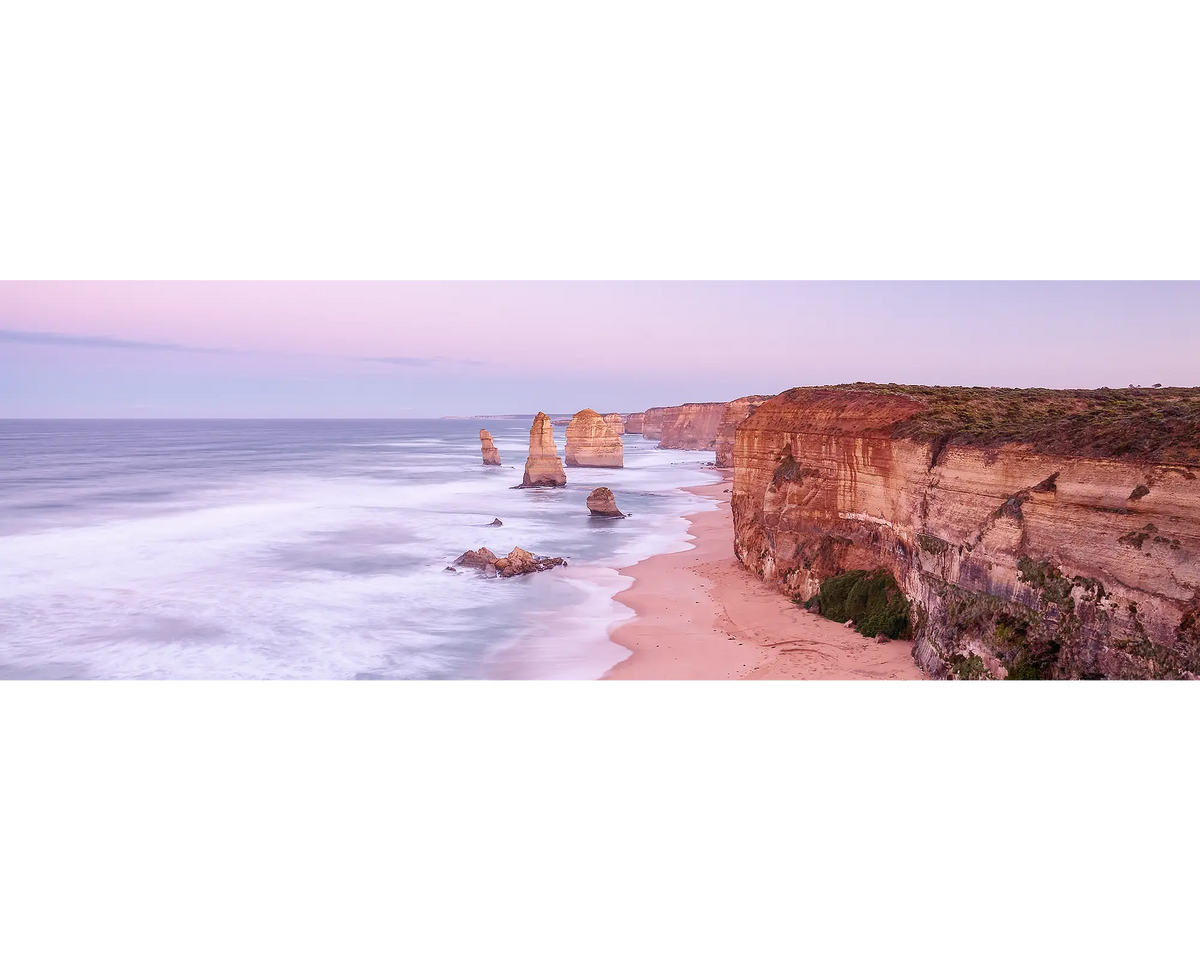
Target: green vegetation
(871, 598)
(1152, 424)
(969, 668)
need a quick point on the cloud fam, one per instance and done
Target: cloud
(418, 361)
(47, 339)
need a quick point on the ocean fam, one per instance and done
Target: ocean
(269, 549)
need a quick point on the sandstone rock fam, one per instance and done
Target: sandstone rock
(616, 422)
(633, 423)
(652, 423)
(1026, 560)
(517, 563)
(735, 412)
(495, 523)
(543, 468)
(602, 503)
(691, 426)
(592, 443)
(491, 456)
(478, 559)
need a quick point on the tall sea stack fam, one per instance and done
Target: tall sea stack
(491, 456)
(543, 468)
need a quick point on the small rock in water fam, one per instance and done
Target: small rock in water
(495, 523)
(451, 570)
(602, 503)
(518, 562)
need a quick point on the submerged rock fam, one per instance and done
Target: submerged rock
(591, 442)
(543, 468)
(476, 558)
(602, 503)
(495, 523)
(491, 456)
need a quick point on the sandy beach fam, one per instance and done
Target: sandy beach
(702, 616)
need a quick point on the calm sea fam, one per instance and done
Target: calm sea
(312, 550)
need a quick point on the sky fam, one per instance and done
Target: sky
(429, 349)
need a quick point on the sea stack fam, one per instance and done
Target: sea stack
(543, 468)
(616, 422)
(633, 423)
(602, 503)
(491, 456)
(592, 443)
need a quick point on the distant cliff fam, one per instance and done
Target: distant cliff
(1036, 533)
(691, 426)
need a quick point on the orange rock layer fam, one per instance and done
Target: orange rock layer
(1018, 562)
(491, 456)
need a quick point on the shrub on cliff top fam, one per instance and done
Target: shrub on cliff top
(1133, 424)
(871, 598)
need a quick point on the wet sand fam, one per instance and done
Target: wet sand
(702, 616)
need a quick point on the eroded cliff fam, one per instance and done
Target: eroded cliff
(1038, 534)
(633, 423)
(691, 426)
(735, 412)
(652, 423)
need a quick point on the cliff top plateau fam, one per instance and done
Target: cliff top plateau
(1136, 423)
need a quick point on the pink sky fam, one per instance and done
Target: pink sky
(278, 349)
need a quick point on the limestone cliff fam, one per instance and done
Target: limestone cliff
(735, 412)
(591, 442)
(1038, 534)
(491, 456)
(616, 422)
(633, 423)
(652, 423)
(691, 426)
(543, 468)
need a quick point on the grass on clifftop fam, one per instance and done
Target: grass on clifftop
(871, 598)
(1136, 423)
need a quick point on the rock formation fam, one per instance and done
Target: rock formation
(543, 468)
(633, 423)
(518, 562)
(1036, 533)
(735, 412)
(691, 426)
(602, 503)
(652, 423)
(592, 443)
(491, 456)
(616, 422)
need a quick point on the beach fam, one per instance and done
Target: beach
(700, 615)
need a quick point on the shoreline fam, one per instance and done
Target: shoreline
(700, 615)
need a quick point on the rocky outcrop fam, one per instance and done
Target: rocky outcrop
(518, 562)
(591, 442)
(633, 423)
(616, 422)
(602, 503)
(691, 426)
(652, 423)
(1037, 534)
(491, 456)
(543, 468)
(735, 412)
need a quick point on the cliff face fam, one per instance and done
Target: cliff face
(691, 426)
(1020, 560)
(735, 412)
(652, 423)
(616, 422)
(633, 423)
(591, 442)
(543, 468)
